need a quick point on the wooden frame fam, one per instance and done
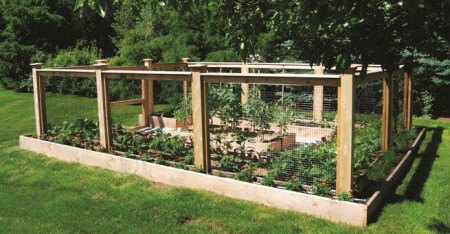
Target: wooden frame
(244, 86)
(200, 117)
(326, 208)
(407, 100)
(104, 108)
(318, 96)
(345, 84)
(147, 94)
(39, 100)
(345, 137)
(387, 118)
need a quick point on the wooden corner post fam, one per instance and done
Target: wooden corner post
(200, 118)
(407, 99)
(388, 94)
(344, 164)
(147, 94)
(244, 87)
(318, 96)
(104, 107)
(39, 100)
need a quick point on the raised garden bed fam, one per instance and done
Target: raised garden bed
(167, 122)
(328, 208)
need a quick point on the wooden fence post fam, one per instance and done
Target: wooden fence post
(185, 83)
(39, 100)
(244, 87)
(388, 101)
(344, 164)
(318, 96)
(200, 118)
(407, 100)
(147, 95)
(104, 107)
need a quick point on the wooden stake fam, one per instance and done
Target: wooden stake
(318, 96)
(244, 87)
(104, 108)
(202, 158)
(387, 113)
(39, 100)
(344, 164)
(407, 100)
(147, 94)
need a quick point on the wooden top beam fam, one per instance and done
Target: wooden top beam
(148, 75)
(288, 79)
(66, 73)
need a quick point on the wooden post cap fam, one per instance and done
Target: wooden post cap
(101, 61)
(36, 65)
(186, 60)
(147, 60)
(101, 66)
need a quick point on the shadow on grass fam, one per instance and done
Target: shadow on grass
(439, 226)
(422, 172)
(420, 176)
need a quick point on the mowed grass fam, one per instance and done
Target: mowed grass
(70, 107)
(42, 195)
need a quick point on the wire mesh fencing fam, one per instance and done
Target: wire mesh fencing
(72, 112)
(126, 102)
(275, 134)
(368, 122)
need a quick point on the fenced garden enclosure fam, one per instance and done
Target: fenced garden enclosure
(291, 126)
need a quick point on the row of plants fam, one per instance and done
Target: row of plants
(310, 168)
(162, 148)
(224, 103)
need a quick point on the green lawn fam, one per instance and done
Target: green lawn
(42, 195)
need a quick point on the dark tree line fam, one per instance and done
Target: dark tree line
(336, 33)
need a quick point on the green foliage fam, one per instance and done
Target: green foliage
(126, 140)
(225, 103)
(29, 28)
(189, 158)
(183, 110)
(344, 196)
(268, 180)
(431, 85)
(312, 161)
(294, 184)
(258, 111)
(246, 173)
(322, 189)
(173, 145)
(284, 114)
(228, 163)
(70, 85)
(82, 133)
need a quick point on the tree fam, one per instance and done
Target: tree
(29, 28)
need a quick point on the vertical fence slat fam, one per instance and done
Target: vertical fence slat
(388, 101)
(147, 94)
(104, 107)
(39, 100)
(244, 87)
(318, 96)
(407, 100)
(344, 164)
(200, 118)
